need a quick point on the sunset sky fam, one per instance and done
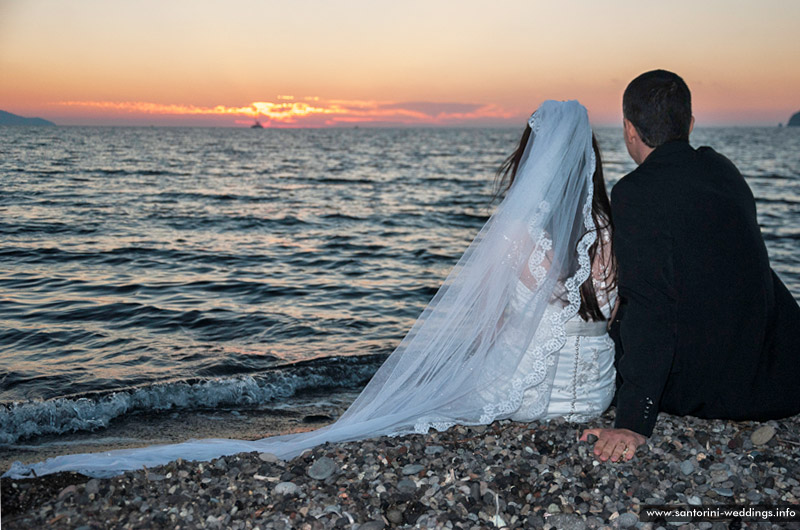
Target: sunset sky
(303, 63)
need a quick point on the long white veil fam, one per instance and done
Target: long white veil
(481, 342)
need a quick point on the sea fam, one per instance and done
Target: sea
(181, 271)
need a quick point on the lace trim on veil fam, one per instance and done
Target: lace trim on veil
(557, 321)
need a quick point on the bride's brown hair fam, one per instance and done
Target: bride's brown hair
(601, 214)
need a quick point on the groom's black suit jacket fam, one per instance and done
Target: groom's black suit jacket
(705, 327)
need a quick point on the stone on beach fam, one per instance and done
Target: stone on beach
(286, 488)
(627, 520)
(433, 449)
(763, 434)
(93, 486)
(322, 468)
(412, 469)
(406, 486)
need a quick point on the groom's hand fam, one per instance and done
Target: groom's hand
(614, 443)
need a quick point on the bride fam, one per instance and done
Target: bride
(517, 330)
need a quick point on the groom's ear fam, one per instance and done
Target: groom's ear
(630, 131)
(691, 125)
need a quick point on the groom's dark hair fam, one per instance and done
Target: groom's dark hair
(658, 103)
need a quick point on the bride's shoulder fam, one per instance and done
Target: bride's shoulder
(516, 230)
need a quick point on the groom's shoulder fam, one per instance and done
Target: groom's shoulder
(664, 174)
(641, 181)
(711, 156)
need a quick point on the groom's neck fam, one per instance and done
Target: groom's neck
(642, 153)
(636, 146)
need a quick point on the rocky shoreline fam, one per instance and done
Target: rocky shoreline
(506, 474)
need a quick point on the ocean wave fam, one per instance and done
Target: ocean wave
(115, 171)
(20, 421)
(126, 255)
(44, 227)
(790, 201)
(176, 197)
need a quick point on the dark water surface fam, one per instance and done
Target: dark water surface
(150, 269)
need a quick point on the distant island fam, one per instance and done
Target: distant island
(794, 121)
(6, 118)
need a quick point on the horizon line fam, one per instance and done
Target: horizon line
(364, 126)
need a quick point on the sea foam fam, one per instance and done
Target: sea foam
(19, 421)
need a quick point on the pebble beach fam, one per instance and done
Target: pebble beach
(502, 475)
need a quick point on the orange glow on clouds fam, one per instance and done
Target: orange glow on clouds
(313, 111)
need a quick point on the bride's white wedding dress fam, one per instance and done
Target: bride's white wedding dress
(500, 339)
(580, 379)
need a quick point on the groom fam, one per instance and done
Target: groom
(705, 327)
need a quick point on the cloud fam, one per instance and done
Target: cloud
(435, 109)
(316, 111)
